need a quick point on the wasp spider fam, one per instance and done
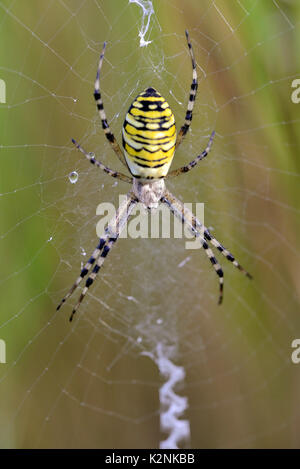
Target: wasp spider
(149, 141)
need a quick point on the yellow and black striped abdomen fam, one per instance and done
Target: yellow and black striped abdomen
(149, 135)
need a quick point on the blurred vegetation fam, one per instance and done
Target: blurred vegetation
(242, 387)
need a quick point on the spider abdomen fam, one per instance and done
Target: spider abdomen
(149, 135)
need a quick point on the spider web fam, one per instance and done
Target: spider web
(149, 342)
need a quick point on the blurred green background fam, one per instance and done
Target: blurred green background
(88, 384)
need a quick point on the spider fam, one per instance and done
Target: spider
(149, 142)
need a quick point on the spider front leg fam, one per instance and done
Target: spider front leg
(97, 95)
(193, 163)
(85, 269)
(112, 233)
(94, 272)
(184, 215)
(201, 232)
(208, 236)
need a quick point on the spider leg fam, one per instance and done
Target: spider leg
(193, 93)
(208, 236)
(92, 159)
(193, 163)
(85, 269)
(186, 217)
(113, 231)
(97, 95)
(93, 274)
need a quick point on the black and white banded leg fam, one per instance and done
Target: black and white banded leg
(94, 272)
(94, 161)
(210, 238)
(192, 98)
(112, 232)
(181, 212)
(201, 232)
(97, 95)
(193, 163)
(85, 269)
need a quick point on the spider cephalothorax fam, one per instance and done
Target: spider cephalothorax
(149, 141)
(149, 192)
